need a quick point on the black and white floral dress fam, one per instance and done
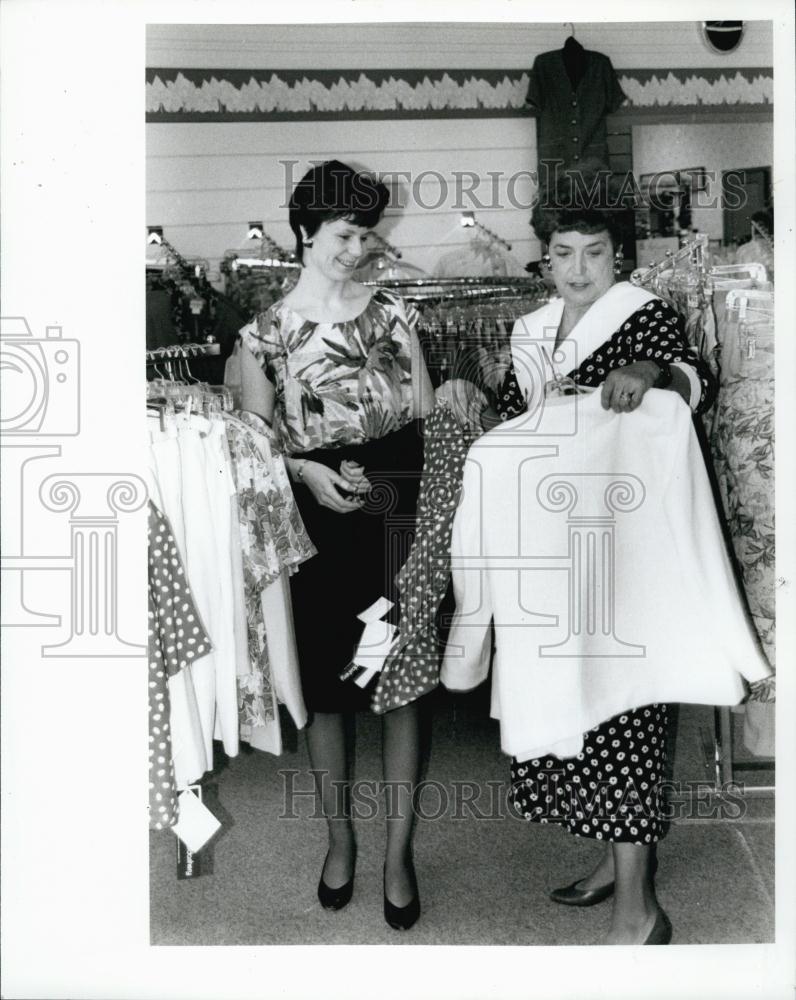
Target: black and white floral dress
(612, 789)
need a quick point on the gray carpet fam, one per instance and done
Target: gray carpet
(483, 874)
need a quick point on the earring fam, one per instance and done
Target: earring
(619, 258)
(547, 262)
(306, 243)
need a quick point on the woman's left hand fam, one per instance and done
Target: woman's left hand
(625, 387)
(355, 475)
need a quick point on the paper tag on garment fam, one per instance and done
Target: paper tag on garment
(374, 645)
(196, 824)
(376, 611)
(189, 865)
(366, 677)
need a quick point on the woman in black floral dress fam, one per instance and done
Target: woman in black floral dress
(610, 790)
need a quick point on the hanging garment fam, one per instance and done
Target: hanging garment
(207, 488)
(176, 640)
(580, 525)
(742, 445)
(272, 539)
(280, 637)
(164, 476)
(759, 732)
(412, 667)
(220, 491)
(571, 124)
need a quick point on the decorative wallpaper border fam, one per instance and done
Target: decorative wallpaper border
(190, 95)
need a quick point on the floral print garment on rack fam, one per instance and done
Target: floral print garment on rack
(336, 383)
(743, 452)
(273, 539)
(176, 638)
(412, 669)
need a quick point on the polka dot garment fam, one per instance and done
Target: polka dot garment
(655, 332)
(176, 638)
(611, 790)
(413, 670)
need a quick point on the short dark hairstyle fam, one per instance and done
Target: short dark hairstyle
(333, 190)
(583, 201)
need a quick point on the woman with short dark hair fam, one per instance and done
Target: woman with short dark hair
(337, 368)
(625, 341)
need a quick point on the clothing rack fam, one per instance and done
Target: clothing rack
(271, 256)
(199, 268)
(185, 352)
(421, 289)
(756, 299)
(762, 232)
(754, 272)
(470, 222)
(385, 246)
(751, 305)
(695, 252)
(264, 263)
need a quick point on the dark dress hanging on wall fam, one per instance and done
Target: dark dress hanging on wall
(573, 89)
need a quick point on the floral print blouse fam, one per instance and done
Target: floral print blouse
(336, 383)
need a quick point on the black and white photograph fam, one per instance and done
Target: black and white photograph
(398, 535)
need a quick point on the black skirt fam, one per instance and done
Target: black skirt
(359, 555)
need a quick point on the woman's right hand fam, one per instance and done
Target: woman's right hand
(325, 485)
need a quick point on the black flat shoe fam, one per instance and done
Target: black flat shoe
(661, 932)
(401, 918)
(334, 899)
(570, 895)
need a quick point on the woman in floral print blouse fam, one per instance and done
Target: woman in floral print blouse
(337, 369)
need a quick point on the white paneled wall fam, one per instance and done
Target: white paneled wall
(205, 182)
(629, 45)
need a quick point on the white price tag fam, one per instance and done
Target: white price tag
(196, 824)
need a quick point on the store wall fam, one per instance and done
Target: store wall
(206, 181)
(658, 148)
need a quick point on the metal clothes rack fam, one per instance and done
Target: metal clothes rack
(466, 320)
(754, 272)
(464, 288)
(199, 267)
(184, 352)
(469, 221)
(725, 764)
(695, 252)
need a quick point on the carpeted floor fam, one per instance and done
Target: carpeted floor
(483, 873)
